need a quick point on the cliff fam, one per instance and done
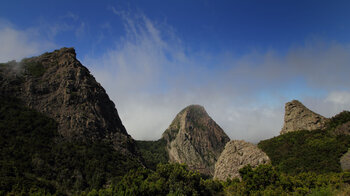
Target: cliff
(298, 117)
(59, 86)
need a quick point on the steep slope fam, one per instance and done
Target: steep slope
(236, 155)
(195, 139)
(302, 151)
(298, 117)
(153, 152)
(59, 86)
(33, 156)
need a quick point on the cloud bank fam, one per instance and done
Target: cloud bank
(19, 43)
(151, 75)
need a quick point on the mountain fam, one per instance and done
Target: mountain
(59, 131)
(298, 117)
(59, 86)
(236, 155)
(195, 139)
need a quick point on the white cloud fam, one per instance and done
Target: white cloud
(340, 98)
(17, 44)
(151, 76)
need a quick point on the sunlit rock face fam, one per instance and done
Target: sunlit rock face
(236, 155)
(298, 117)
(195, 139)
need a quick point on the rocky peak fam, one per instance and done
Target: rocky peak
(236, 155)
(195, 139)
(298, 117)
(58, 85)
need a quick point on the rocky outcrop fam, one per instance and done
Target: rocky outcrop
(298, 117)
(59, 86)
(345, 161)
(343, 129)
(195, 139)
(236, 155)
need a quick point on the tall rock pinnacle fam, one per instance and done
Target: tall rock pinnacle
(195, 139)
(298, 117)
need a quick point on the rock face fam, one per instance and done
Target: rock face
(236, 155)
(58, 85)
(345, 161)
(297, 117)
(195, 139)
(343, 129)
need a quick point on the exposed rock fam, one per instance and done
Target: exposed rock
(298, 117)
(236, 155)
(58, 85)
(195, 139)
(345, 161)
(343, 129)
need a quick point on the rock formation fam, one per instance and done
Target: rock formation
(297, 117)
(59, 86)
(195, 139)
(236, 155)
(345, 161)
(343, 129)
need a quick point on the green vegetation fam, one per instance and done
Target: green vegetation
(306, 151)
(33, 68)
(26, 140)
(265, 180)
(176, 179)
(167, 179)
(153, 152)
(34, 158)
(337, 120)
(309, 151)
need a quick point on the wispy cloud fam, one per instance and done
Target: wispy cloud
(151, 75)
(18, 43)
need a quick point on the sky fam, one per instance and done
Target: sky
(241, 60)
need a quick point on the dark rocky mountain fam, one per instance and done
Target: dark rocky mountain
(195, 139)
(59, 131)
(298, 117)
(59, 86)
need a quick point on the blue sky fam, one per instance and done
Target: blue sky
(242, 60)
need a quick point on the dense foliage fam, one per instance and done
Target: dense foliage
(176, 179)
(306, 151)
(337, 120)
(309, 151)
(153, 152)
(167, 179)
(26, 140)
(34, 157)
(265, 180)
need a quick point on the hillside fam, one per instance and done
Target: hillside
(35, 156)
(309, 150)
